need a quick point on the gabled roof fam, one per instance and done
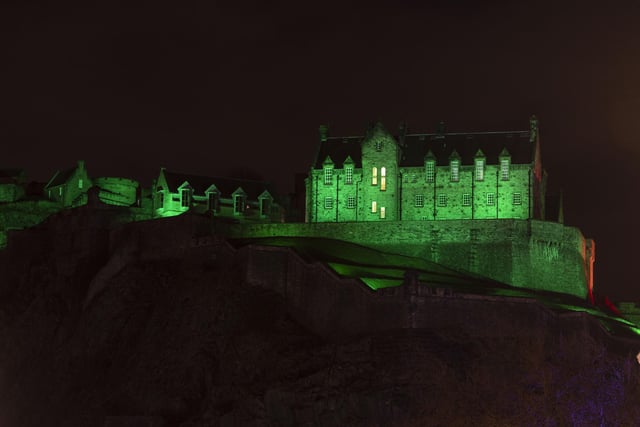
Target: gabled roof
(226, 186)
(60, 178)
(517, 144)
(414, 148)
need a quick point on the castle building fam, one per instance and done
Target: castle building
(426, 176)
(472, 201)
(243, 200)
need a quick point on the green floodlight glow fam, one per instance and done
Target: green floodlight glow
(376, 283)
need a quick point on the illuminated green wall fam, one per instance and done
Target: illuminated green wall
(526, 253)
(408, 195)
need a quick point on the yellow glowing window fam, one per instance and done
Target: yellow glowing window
(382, 212)
(374, 176)
(374, 206)
(383, 179)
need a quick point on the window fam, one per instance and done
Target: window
(328, 175)
(455, 170)
(517, 198)
(504, 169)
(491, 199)
(479, 169)
(265, 207)
(351, 202)
(418, 201)
(466, 199)
(378, 145)
(374, 206)
(383, 212)
(442, 200)
(80, 183)
(160, 200)
(328, 202)
(374, 176)
(414, 178)
(185, 198)
(383, 179)
(430, 170)
(213, 201)
(348, 175)
(238, 204)
(60, 191)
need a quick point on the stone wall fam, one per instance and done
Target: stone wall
(525, 253)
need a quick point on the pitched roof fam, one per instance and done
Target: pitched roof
(226, 186)
(60, 177)
(414, 148)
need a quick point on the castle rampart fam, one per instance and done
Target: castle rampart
(525, 253)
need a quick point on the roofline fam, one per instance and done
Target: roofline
(502, 132)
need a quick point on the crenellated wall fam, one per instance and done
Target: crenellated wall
(525, 253)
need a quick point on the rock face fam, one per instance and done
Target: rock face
(180, 338)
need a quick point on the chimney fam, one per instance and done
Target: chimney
(323, 131)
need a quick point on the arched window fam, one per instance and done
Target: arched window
(383, 178)
(374, 176)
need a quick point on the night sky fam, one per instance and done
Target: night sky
(241, 87)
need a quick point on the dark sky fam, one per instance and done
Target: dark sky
(220, 87)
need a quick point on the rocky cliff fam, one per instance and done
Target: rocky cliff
(101, 326)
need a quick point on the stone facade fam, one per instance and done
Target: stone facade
(69, 187)
(439, 176)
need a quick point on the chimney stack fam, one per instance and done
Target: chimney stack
(323, 132)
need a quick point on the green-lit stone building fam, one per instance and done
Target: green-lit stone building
(473, 201)
(426, 176)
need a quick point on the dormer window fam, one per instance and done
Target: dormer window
(328, 175)
(455, 170)
(374, 176)
(80, 183)
(265, 207)
(504, 169)
(430, 170)
(213, 201)
(480, 162)
(383, 179)
(378, 145)
(238, 204)
(160, 200)
(185, 197)
(348, 175)
(505, 165)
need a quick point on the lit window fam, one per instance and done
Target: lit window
(185, 198)
(374, 176)
(517, 198)
(479, 169)
(491, 199)
(328, 202)
(455, 170)
(418, 200)
(383, 179)
(328, 175)
(466, 199)
(348, 175)
(383, 212)
(80, 183)
(374, 206)
(430, 169)
(60, 191)
(442, 200)
(504, 169)
(351, 202)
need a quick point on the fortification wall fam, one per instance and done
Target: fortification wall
(117, 191)
(333, 307)
(527, 253)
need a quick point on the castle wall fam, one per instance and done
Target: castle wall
(533, 254)
(332, 306)
(117, 191)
